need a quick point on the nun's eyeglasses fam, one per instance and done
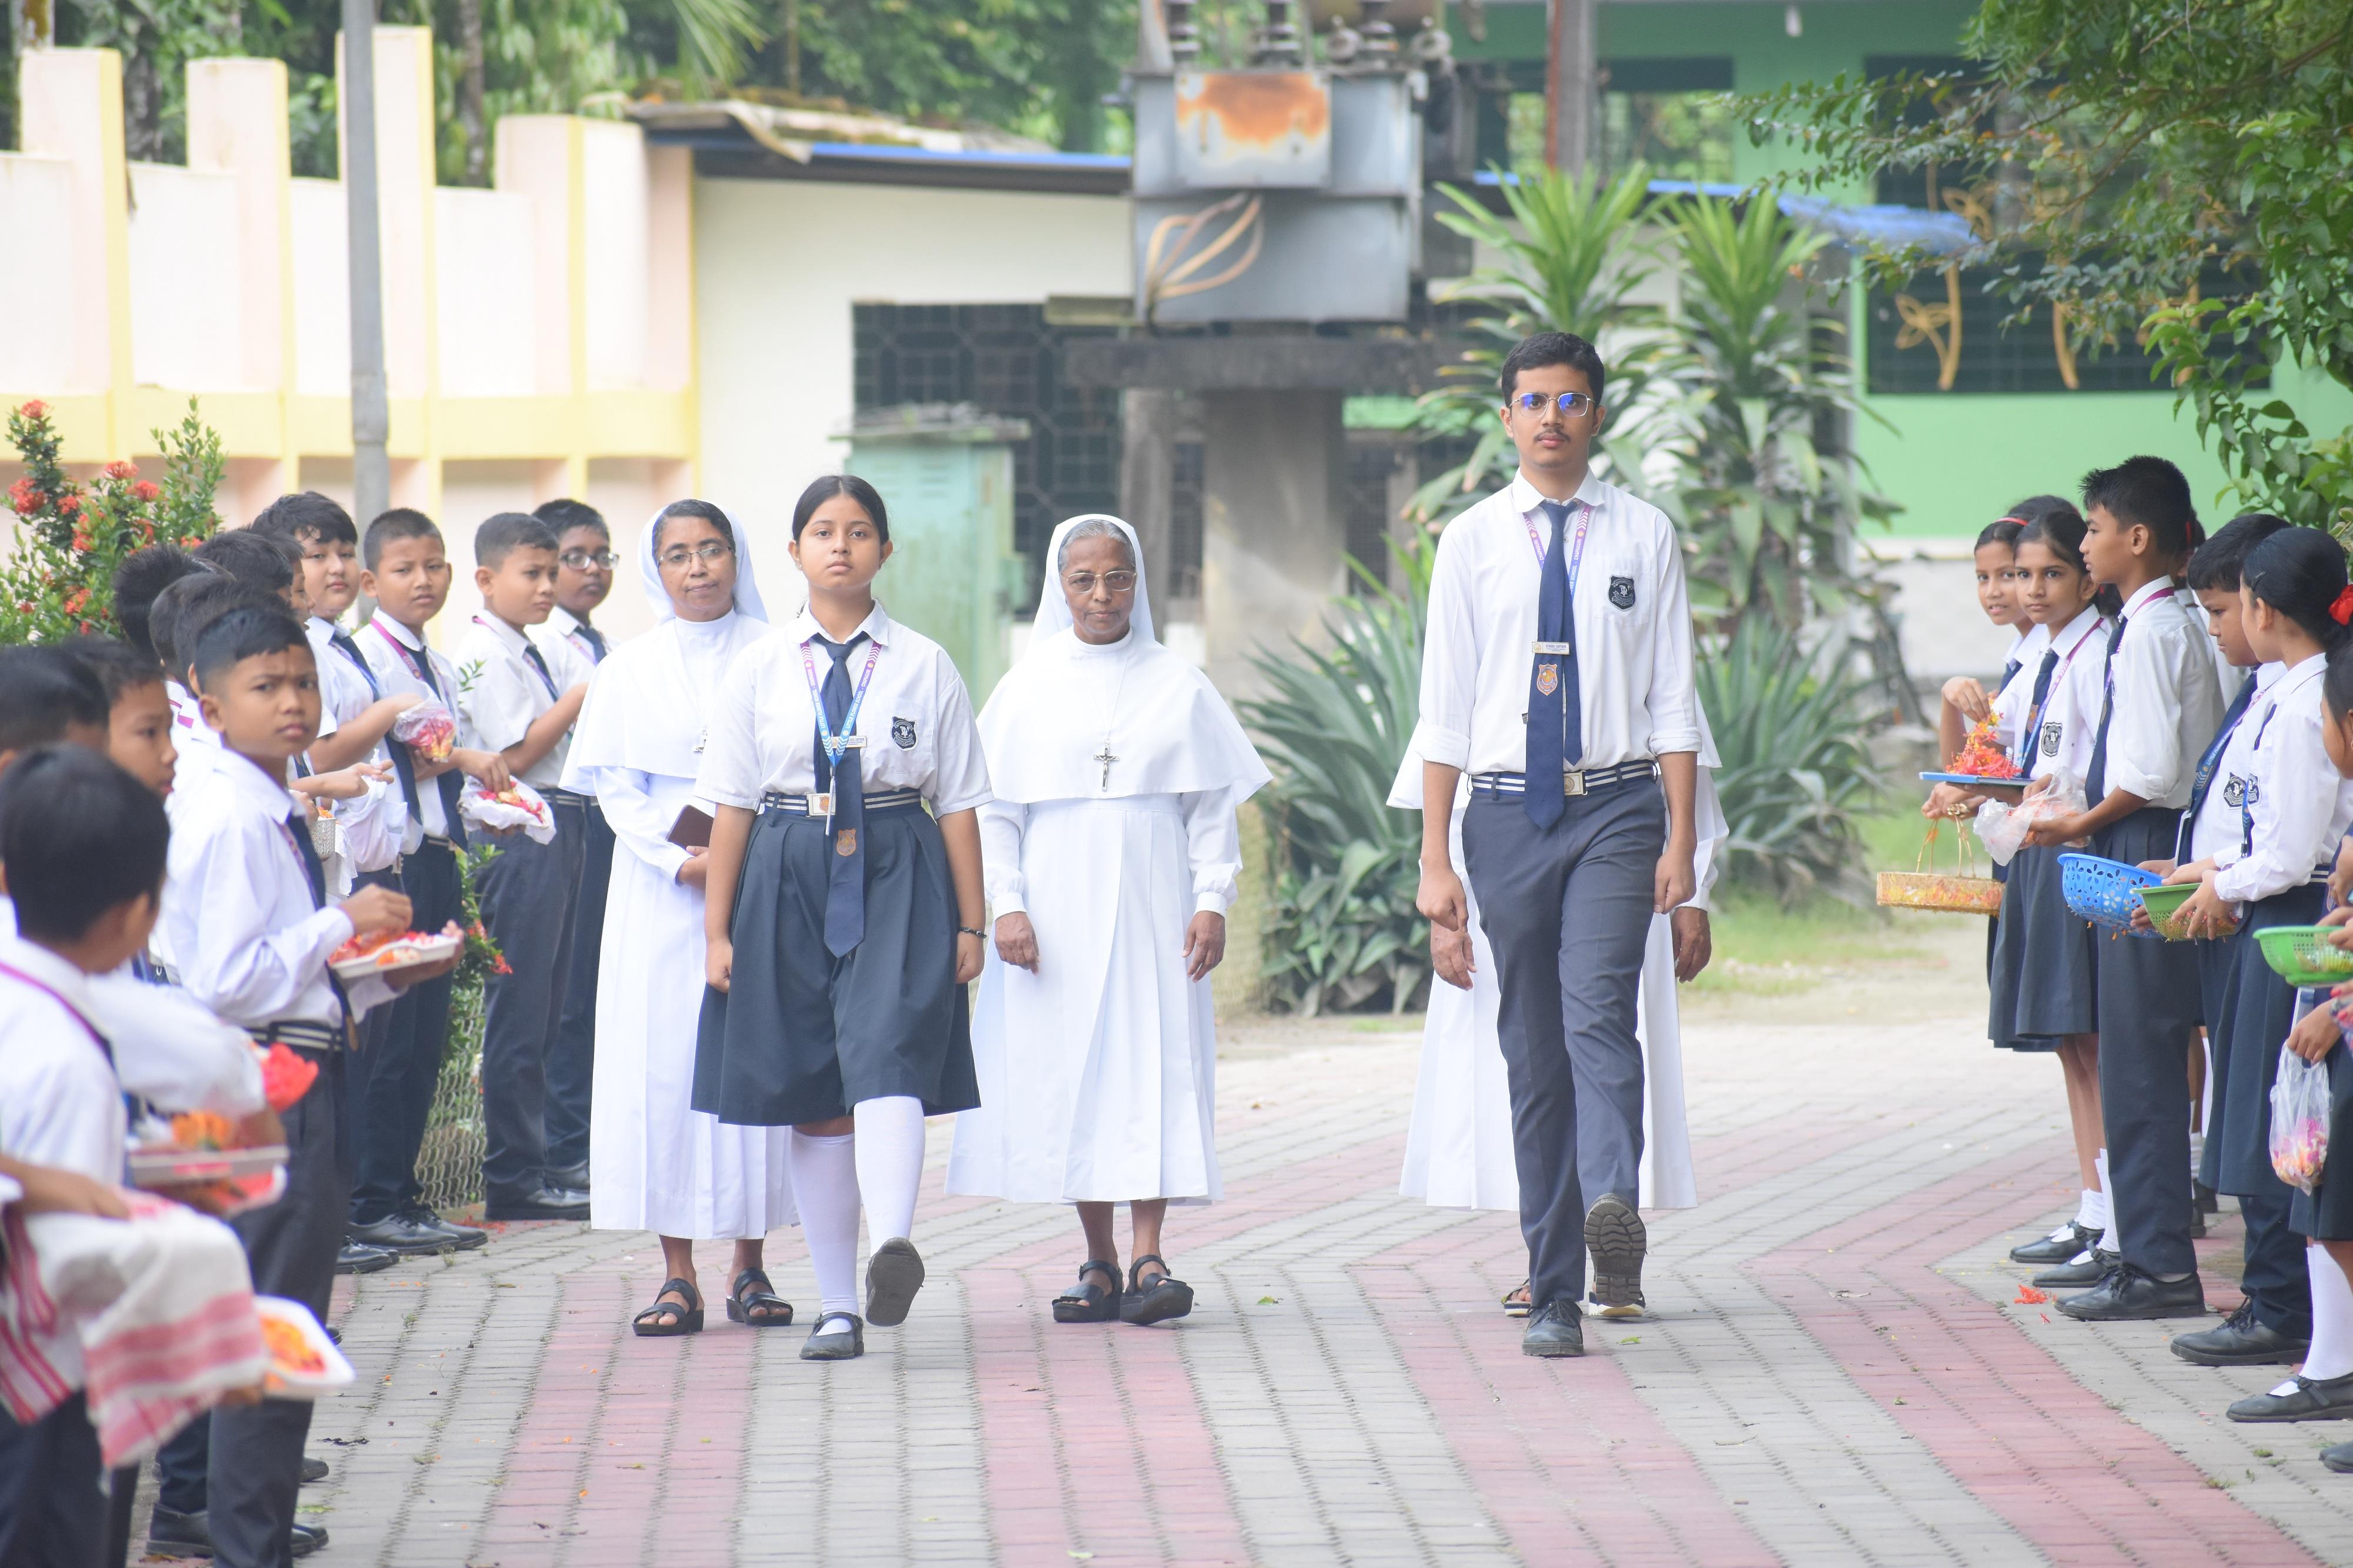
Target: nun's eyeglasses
(581, 559)
(1083, 583)
(1573, 404)
(711, 553)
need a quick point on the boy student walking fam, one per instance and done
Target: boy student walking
(253, 926)
(521, 698)
(584, 576)
(2161, 706)
(405, 571)
(1556, 672)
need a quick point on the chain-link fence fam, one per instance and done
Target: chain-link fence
(449, 1164)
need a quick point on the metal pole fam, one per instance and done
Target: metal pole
(371, 418)
(1571, 68)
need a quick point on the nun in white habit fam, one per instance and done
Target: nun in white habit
(1459, 1148)
(1111, 852)
(655, 1162)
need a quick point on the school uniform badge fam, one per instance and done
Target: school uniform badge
(1548, 680)
(2235, 791)
(903, 734)
(1622, 592)
(2050, 736)
(844, 842)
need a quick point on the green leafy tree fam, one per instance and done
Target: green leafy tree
(2119, 155)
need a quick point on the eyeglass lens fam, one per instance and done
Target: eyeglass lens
(1571, 403)
(580, 560)
(710, 552)
(1084, 582)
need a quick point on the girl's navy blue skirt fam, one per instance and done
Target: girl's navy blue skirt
(802, 1036)
(2043, 985)
(2257, 1008)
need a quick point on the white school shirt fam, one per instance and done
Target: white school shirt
(917, 720)
(503, 692)
(2295, 806)
(370, 828)
(562, 627)
(2166, 704)
(397, 654)
(2071, 712)
(249, 943)
(1631, 613)
(60, 1103)
(2218, 826)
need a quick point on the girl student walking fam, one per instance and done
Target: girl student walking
(844, 907)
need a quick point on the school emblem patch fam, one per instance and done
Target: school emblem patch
(2050, 736)
(903, 734)
(2235, 791)
(1548, 680)
(1622, 592)
(844, 842)
(2252, 793)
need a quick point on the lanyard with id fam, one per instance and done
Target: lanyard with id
(1548, 674)
(835, 744)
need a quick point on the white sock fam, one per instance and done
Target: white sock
(2332, 1317)
(825, 1190)
(890, 1163)
(2197, 1153)
(2107, 1204)
(2091, 1212)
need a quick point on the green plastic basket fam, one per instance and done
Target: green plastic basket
(2302, 956)
(2164, 903)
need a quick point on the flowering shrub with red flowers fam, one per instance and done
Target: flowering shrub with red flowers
(58, 582)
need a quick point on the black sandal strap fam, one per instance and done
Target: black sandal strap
(1135, 1270)
(681, 1287)
(849, 1320)
(762, 1297)
(1093, 1265)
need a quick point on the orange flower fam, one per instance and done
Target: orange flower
(36, 409)
(75, 600)
(146, 490)
(81, 541)
(23, 498)
(68, 504)
(122, 469)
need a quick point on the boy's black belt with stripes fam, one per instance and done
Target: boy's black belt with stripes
(1574, 782)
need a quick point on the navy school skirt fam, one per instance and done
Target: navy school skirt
(2327, 1213)
(2257, 1008)
(802, 1036)
(2044, 983)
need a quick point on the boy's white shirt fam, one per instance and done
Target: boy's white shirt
(2166, 704)
(369, 829)
(377, 640)
(503, 695)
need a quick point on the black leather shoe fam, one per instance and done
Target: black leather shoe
(358, 1258)
(2197, 1222)
(571, 1178)
(548, 1203)
(2207, 1201)
(1616, 1241)
(2077, 1276)
(464, 1238)
(2338, 1458)
(2056, 1249)
(180, 1535)
(2327, 1399)
(2239, 1340)
(1555, 1329)
(401, 1234)
(313, 1470)
(846, 1342)
(2128, 1294)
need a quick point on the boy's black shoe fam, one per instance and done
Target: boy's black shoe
(545, 1202)
(2239, 1340)
(2207, 1201)
(359, 1257)
(404, 1235)
(2076, 1275)
(1555, 1329)
(573, 1178)
(2129, 1294)
(313, 1470)
(2076, 1239)
(184, 1535)
(464, 1238)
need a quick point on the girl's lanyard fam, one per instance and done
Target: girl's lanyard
(2201, 782)
(530, 656)
(46, 989)
(835, 744)
(2029, 738)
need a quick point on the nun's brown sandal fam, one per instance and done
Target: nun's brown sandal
(667, 1319)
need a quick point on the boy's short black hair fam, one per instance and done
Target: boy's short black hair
(43, 691)
(390, 528)
(138, 578)
(119, 667)
(259, 560)
(2217, 564)
(562, 516)
(503, 534)
(78, 835)
(185, 608)
(300, 519)
(2149, 493)
(1552, 348)
(249, 631)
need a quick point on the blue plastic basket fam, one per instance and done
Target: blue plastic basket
(2101, 890)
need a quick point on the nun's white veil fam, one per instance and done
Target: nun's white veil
(1054, 613)
(747, 582)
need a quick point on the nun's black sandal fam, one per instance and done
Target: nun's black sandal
(773, 1312)
(1166, 1297)
(1091, 1302)
(666, 1320)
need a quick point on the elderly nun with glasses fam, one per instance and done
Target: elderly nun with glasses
(1111, 853)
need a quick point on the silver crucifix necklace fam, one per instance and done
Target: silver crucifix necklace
(1110, 722)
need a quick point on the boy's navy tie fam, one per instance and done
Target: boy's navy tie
(452, 784)
(594, 639)
(402, 766)
(1556, 720)
(539, 663)
(2095, 777)
(314, 871)
(845, 879)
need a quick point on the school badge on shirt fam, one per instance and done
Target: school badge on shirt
(1622, 592)
(903, 734)
(2235, 791)
(2050, 736)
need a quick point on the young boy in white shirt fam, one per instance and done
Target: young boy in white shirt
(521, 698)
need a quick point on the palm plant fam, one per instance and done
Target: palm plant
(1333, 726)
(1573, 261)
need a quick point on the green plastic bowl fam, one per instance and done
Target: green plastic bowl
(2302, 955)
(2164, 903)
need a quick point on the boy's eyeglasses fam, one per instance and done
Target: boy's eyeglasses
(1083, 583)
(1573, 404)
(711, 553)
(581, 559)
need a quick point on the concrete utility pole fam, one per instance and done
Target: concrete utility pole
(1571, 71)
(371, 418)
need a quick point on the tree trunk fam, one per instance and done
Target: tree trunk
(472, 94)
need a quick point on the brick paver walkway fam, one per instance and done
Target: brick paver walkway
(1839, 1368)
